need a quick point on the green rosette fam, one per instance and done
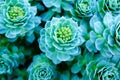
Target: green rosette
(17, 18)
(41, 68)
(60, 39)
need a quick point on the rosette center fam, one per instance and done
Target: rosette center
(15, 12)
(64, 33)
(84, 6)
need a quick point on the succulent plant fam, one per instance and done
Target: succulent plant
(104, 35)
(76, 40)
(60, 39)
(41, 68)
(109, 6)
(10, 57)
(103, 69)
(17, 18)
(85, 8)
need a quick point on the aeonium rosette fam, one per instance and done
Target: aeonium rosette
(60, 39)
(113, 24)
(104, 35)
(109, 6)
(17, 18)
(103, 70)
(85, 8)
(41, 68)
(10, 57)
